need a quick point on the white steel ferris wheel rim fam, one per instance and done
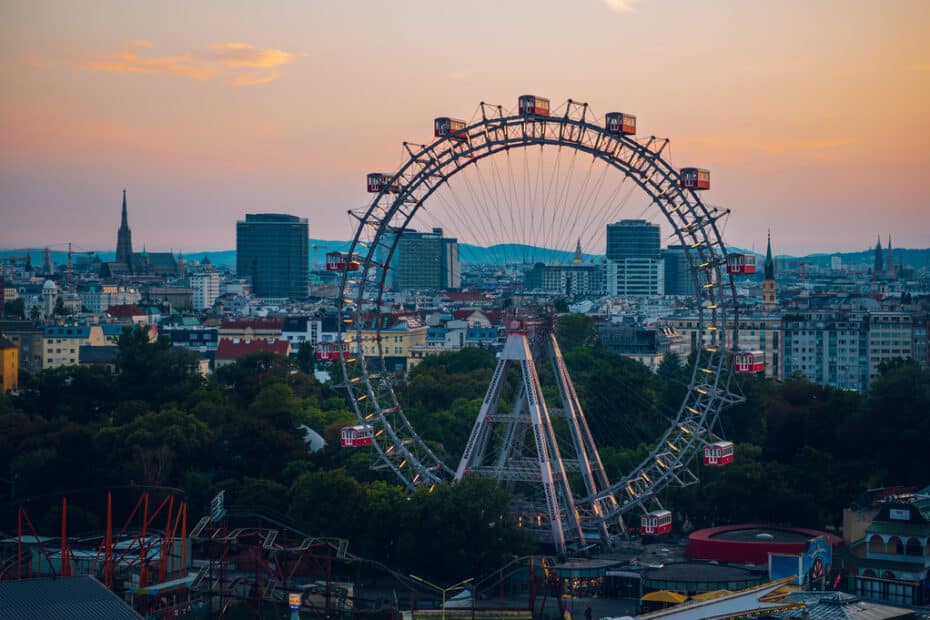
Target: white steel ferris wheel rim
(429, 167)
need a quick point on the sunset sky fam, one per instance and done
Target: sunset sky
(814, 117)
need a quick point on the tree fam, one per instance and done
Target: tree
(154, 371)
(305, 357)
(576, 330)
(897, 424)
(327, 503)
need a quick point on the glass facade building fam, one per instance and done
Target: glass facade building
(678, 277)
(272, 250)
(632, 239)
(423, 261)
(634, 266)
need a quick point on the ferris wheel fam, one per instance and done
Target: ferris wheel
(537, 180)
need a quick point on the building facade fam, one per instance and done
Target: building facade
(424, 261)
(890, 338)
(571, 280)
(206, 288)
(272, 250)
(27, 336)
(677, 277)
(634, 267)
(759, 332)
(828, 347)
(634, 277)
(99, 297)
(9, 365)
(398, 335)
(892, 562)
(62, 343)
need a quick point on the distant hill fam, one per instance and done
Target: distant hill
(502, 253)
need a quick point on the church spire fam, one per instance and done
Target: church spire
(769, 297)
(124, 239)
(125, 221)
(579, 257)
(769, 262)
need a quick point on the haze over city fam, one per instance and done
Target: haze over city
(207, 111)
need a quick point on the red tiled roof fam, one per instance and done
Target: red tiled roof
(231, 350)
(253, 323)
(125, 311)
(466, 296)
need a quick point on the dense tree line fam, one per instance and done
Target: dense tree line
(803, 451)
(157, 422)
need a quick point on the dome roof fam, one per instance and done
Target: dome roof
(49, 286)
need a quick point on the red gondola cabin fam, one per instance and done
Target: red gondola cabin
(695, 178)
(656, 522)
(529, 105)
(329, 351)
(741, 263)
(719, 453)
(445, 127)
(378, 181)
(355, 436)
(618, 122)
(337, 261)
(749, 361)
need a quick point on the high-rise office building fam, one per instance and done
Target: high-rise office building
(679, 280)
(634, 267)
(272, 250)
(425, 261)
(632, 239)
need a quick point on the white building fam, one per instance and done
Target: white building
(206, 287)
(98, 298)
(635, 277)
(890, 338)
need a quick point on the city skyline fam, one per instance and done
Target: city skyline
(285, 108)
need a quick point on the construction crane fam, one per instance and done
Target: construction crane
(71, 253)
(12, 260)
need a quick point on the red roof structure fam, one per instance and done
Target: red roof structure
(465, 296)
(124, 311)
(233, 349)
(752, 542)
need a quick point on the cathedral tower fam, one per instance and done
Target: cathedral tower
(124, 239)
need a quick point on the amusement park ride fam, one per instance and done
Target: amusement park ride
(516, 444)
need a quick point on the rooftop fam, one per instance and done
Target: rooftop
(229, 349)
(63, 598)
(701, 571)
(124, 311)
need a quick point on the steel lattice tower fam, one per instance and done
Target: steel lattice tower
(498, 446)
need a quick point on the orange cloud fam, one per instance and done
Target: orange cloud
(619, 6)
(240, 64)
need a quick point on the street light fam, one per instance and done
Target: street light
(443, 590)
